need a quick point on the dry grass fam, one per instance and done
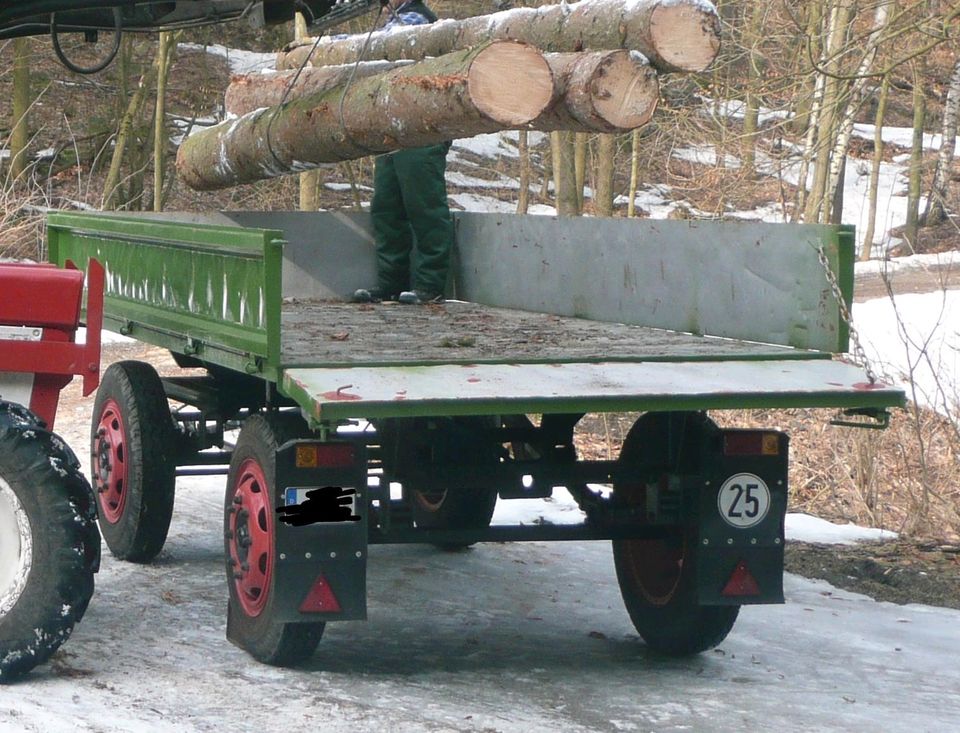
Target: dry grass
(905, 478)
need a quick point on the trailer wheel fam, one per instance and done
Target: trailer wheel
(132, 458)
(470, 508)
(49, 544)
(657, 577)
(250, 546)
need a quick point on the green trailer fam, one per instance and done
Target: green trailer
(384, 423)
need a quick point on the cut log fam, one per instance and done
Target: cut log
(600, 91)
(457, 95)
(248, 92)
(675, 35)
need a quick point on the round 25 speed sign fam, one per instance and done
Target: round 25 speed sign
(744, 500)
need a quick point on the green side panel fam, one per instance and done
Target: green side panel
(844, 267)
(209, 291)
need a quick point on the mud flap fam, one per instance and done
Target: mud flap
(321, 532)
(741, 510)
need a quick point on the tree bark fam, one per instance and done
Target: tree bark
(310, 181)
(564, 173)
(606, 158)
(914, 185)
(874, 186)
(249, 92)
(523, 152)
(676, 35)
(634, 173)
(600, 91)
(22, 101)
(936, 205)
(125, 133)
(165, 52)
(458, 95)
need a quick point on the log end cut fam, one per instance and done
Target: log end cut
(626, 90)
(685, 36)
(510, 82)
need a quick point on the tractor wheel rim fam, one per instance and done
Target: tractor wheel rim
(16, 548)
(109, 461)
(251, 538)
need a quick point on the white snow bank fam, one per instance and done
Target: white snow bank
(804, 528)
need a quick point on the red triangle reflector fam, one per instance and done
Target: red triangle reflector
(741, 583)
(320, 599)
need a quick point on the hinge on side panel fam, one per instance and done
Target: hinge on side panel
(869, 418)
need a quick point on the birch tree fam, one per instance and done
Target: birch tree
(936, 204)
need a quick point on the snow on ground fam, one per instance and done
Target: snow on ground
(503, 637)
(240, 61)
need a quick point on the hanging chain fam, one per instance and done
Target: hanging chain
(845, 315)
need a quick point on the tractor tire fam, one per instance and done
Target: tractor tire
(250, 546)
(132, 443)
(49, 543)
(657, 577)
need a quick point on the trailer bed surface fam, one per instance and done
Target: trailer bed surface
(317, 333)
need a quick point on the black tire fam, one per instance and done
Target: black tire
(250, 567)
(657, 577)
(132, 441)
(48, 528)
(461, 508)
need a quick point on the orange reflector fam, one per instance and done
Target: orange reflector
(741, 583)
(327, 455)
(320, 599)
(751, 443)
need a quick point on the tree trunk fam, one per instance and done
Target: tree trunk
(458, 95)
(606, 157)
(125, 132)
(523, 152)
(22, 100)
(937, 203)
(751, 114)
(850, 103)
(634, 173)
(916, 155)
(565, 173)
(676, 35)
(867, 246)
(580, 141)
(165, 52)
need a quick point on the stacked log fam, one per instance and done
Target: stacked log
(458, 95)
(602, 91)
(429, 84)
(674, 35)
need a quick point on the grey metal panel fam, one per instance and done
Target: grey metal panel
(328, 255)
(761, 282)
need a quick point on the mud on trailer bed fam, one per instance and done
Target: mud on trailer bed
(363, 424)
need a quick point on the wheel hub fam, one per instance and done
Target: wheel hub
(250, 537)
(16, 548)
(109, 460)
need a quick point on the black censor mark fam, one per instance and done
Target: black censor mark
(329, 504)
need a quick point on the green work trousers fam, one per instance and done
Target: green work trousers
(410, 200)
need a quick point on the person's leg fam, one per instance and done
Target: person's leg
(420, 172)
(391, 228)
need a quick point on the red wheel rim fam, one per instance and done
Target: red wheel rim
(656, 566)
(110, 462)
(251, 538)
(431, 500)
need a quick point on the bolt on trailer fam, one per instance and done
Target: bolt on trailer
(381, 423)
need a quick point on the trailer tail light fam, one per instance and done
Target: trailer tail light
(741, 583)
(751, 443)
(325, 455)
(321, 598)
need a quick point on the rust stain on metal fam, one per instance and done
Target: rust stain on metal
(473, 380)
(341, 394)
(867, 386)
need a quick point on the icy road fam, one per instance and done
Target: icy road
(503, 637)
